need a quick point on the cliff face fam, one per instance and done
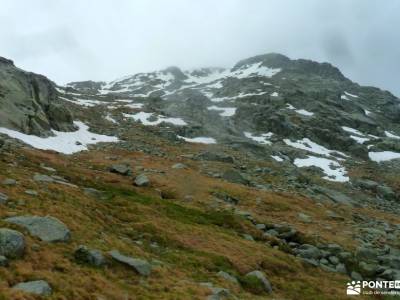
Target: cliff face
(29, 102)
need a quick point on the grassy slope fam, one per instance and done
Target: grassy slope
(195, 240)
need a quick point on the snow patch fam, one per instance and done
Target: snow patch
(262, 139)
(308, 145)
(199, 140)
(383, 156)
(144, 117)
(277, 158)
(63, 142)
(252, 70)
(304, 112)
(332, 169)
(224, 111)
(391, 135)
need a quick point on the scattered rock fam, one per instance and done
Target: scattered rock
(257, 282)
(142, 180)
(43, 178)
(304, 218)
(47, 228)
(234, 177)
(386, 192)
(179, 166)
(141, 266)
(3, 261)
(89, 256)
(12, 243)
(9, 181)
(3, 198)
(213, 156)
(309, 252)
(38, 287)
(122, 169)
(31, 193)
(227, 276)
(91, 192)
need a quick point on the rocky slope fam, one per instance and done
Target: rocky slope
(273, 179)
(29, 102)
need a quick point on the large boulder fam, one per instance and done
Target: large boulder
(12, 243)
(89, 256)
(141, 266)
(47, 228)
(37, 287)
(29, 102)
(257, 282)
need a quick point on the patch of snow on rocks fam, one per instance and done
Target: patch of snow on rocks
(277, 158)
(383, 156)
(144, 117)
(199, 140)
(254, 70)
(332, 169)
(111, 119)
(63, 142)
(224, 111)
(308, 145)
(391, 135)
(351, 95)
(304, 112)
(262, 139)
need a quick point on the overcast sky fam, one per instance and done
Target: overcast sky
(71, 40)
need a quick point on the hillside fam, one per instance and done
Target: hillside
(274, 179)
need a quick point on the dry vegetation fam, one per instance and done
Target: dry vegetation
(194, 239)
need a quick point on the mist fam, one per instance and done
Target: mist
(103, 40)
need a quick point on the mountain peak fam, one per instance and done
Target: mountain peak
(270, 60)
(6, 61)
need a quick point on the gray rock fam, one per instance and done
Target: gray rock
(304, 218)
(89, 256)
(261, 226)
(43, 178)
(248, 237)
(386, 192)
(309, 251)
(356, 276)
(311, 261)
(38, 287)
(262, 280)
(3, 198)
(366, 254)
(12, 243)
(234, 177)
(179, 166)
(9, 181)
(141, 266)
(366, 184)
(30, 102)
(213, 156)
(220, 294)
(31, 193)
(142, 180)
(122, 169)
(227, 276)
(334, 260)
(91, 192)
(3, 261)
(47, 228)
(341, 268)
(335, 196)
(368, 270)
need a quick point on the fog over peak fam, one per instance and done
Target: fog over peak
(103, 40)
